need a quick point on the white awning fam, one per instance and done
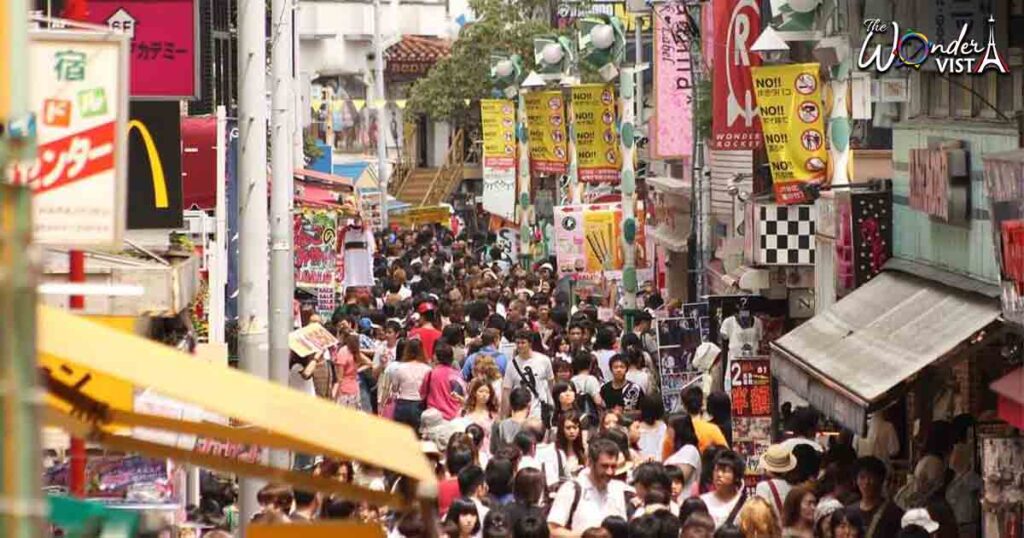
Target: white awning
(846, 360)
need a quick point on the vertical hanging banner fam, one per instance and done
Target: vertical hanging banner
(598, 156)
(154, 165)
(498, 119)
(789, 99)
(735, 123)
(78, 93)
(588, 241)
(545, 120)
(165, 39)
(673, 83)
(315, 234)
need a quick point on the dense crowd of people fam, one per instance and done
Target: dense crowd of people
(543, 416)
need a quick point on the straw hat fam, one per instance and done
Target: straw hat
(778, 459)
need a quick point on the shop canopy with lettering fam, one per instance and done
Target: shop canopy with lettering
(275, 416)
(847, 360)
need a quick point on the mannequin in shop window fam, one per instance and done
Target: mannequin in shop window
(741, 335)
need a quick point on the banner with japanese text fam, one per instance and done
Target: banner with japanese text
(598, 158)
(789, 99)
(735, 123)
(672, 125)
(79, 96)
(751, 394)
(498, 120)
(545, 125)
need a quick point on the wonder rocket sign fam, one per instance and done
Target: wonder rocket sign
(735, 123)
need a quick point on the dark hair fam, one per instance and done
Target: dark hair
(453, 335)
(497, 525)
(693, 400)
(558, 388)
(675, 473)
(304, 497)
(531, 525)
(616, 436)
(525, 442)
(652, 476)
(872, 466)
(719, 407)
(498, 475)
(645, 527)
(699, 520)
(476, 433)
(444, 354)
(618, 357)
(414, 350)
(804, 421)
(562, 442)
(529, 486)
(603, 446)
(683, 432)
(617, 526)
(729, 458)
(605, 338)
(728, 531)
(523, 334)
(691, 506)
(851, 515)
(652, 408)
(519, 398)
(462, 506)
(558, 365)
(470, 478)
(339, 509)
(457, 458)
(914, 531)
(791, 506)
(582, 361)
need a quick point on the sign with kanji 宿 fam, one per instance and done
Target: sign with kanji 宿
(78, 94)
(164, 36)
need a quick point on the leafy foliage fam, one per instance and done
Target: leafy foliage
(507, 26)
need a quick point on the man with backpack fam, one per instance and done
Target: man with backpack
(595, 494)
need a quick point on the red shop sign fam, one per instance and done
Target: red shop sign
(735, 122)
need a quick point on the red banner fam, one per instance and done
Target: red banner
(735, 123)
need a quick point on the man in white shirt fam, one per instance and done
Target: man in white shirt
(537, 369)
(725, 501)
(583, 503)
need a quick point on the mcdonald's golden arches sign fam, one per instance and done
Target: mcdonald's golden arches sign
(154, 165)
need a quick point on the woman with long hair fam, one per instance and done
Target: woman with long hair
(652, 426)
(687, 457)
(572, 454)
(347, 361)
(406, 381)
(486, 367)
(847, 523)
(758, 519)
(463, 518)
(481, 407)
(798, 512)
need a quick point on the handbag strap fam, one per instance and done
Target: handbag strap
(736, 509)
(775, 493)
(530, 382)
(876, 520)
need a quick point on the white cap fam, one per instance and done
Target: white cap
(921, 518)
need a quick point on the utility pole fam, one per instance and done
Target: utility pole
(281, 275)
(382, 150)
(253, 291)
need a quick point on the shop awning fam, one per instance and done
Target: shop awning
(1010, 389)
(846, 360)
(274, 415)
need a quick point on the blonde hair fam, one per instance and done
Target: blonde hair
(758, 520)
(485, 366)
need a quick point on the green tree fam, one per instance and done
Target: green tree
(507, 26)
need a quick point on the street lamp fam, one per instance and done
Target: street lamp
(602, 41)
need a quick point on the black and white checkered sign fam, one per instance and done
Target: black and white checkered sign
(786, 234)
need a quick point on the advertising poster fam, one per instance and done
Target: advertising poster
(163, 43)
(735, 123)
(498, 119)
(598, 157)
(154, 165)
(545, 124)
(679, 335)
(751, 394)
(316, 256)
(588, 242)
(79, 97)
(311, 339)
(789, 98)
(672, 133)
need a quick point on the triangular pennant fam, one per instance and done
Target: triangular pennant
(359, 103)
(467, 101)
(401, 103)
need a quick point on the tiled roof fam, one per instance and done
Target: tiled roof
(416, 48)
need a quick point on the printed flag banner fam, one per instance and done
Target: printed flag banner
(588, 241)
(789, 98)
(498, 117)
(597, 144)
(673, 83)
(545, 121)
(735, 123)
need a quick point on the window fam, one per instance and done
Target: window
(938, 96)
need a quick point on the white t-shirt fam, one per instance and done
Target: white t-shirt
(764, 491)
(604, 356)
(651, 438)
(741, 336)
(384, 355)
(594, 505)
(587, 384)
(542, 372)
(688, 455)
(299, 383)
(640, 378)
(720, 511)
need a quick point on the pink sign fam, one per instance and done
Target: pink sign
(673, 82)
(163, 53)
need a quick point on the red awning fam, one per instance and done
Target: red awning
(417, 48)
(199, 162)
(1010, 389)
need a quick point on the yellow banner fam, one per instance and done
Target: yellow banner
(597, 144)
(423, 215)
(601, 240)
(5, 63)
(789, 101)
(545, 121)
(498, 120)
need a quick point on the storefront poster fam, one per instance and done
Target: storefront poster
(601, 240)
(735, 123)
(789, 100)
(751, 394)
(311, 339)
(598, 158)
(78, 94)
(163, 40)
(679, 336)
(498, 120)
(545, 121)
(673, 83)
(316, 240)
(588, 241)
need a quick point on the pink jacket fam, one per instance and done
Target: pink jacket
(438, 387)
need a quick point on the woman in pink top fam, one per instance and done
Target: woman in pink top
(444, 389)
(346, 363)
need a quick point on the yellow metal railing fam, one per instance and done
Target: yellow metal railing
(449, 175)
